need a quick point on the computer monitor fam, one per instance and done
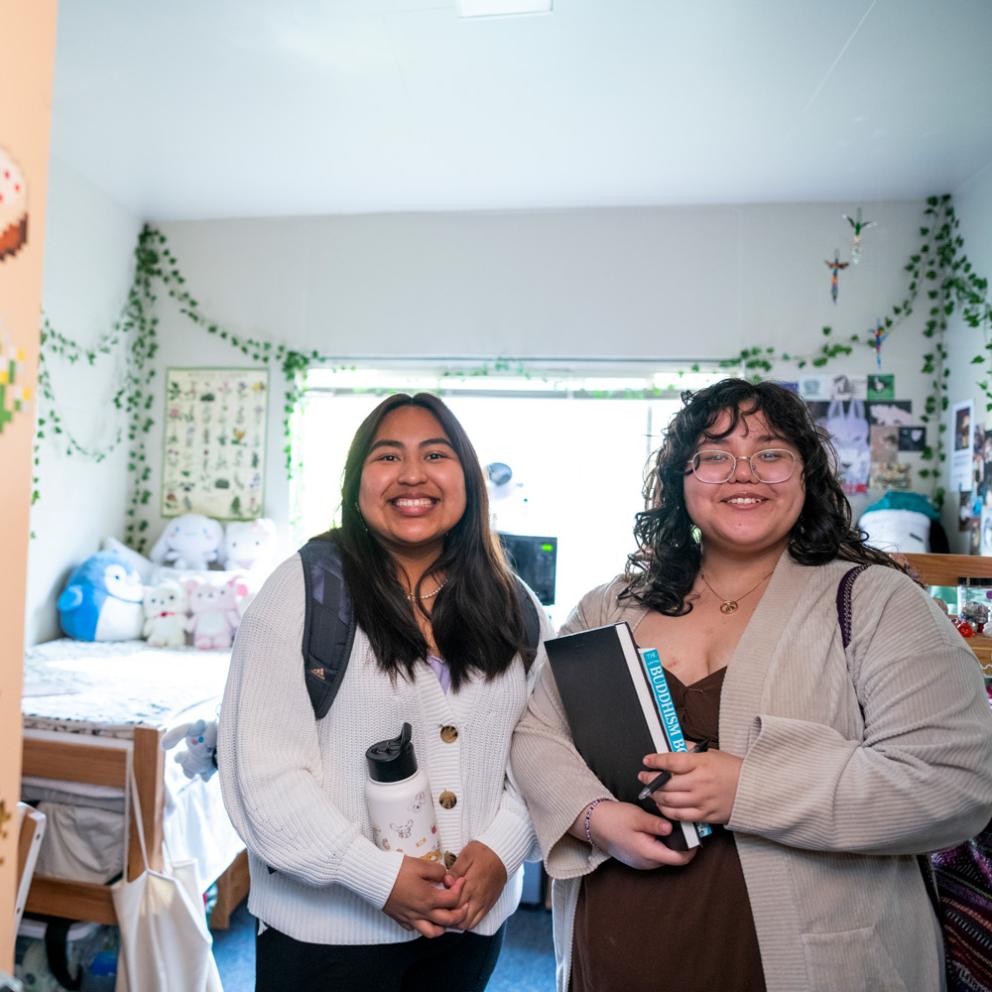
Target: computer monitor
(535, 560)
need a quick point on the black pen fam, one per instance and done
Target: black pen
(659, 780)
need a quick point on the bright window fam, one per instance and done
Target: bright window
(577, 443)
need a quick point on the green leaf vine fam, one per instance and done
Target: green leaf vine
(939, 268)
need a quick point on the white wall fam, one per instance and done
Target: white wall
(88, 268)
(973, 204)
(679, 282)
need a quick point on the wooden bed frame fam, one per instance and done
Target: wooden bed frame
(103, 761)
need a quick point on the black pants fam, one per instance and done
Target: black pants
(453, 962)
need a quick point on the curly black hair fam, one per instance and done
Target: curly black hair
(661, 572)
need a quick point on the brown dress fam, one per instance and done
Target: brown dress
(686, 929)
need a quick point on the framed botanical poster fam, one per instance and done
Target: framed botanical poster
(214, 442)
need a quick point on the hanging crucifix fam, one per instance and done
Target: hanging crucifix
(859, 226)
(836, 267)
(879, 334)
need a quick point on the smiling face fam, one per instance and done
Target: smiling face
(742, 514)
(412, 489)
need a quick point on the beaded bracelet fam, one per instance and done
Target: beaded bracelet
(588, 817)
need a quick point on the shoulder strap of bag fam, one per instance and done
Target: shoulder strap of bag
(329, 625)
(845, 617)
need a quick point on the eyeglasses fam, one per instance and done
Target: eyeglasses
(771, 465)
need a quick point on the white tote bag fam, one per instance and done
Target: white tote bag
(165, 943)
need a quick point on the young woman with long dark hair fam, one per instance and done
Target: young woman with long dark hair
(440, 644)
(848, 728)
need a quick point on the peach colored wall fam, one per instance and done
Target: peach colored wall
(27, 51)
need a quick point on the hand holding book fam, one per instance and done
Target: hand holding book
(631, 835)
(702, 787)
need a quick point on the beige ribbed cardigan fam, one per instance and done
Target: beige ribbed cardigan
(853, 762)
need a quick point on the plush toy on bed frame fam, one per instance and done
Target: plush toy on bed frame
(197, 758)
(249, 544)
(214, 614)
(102, 600)
(190, 541)
(165, 615)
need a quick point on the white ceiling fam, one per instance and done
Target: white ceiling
(235, 108)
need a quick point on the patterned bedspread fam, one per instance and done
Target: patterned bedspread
(106, 688)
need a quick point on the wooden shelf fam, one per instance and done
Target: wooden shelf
(982, 646)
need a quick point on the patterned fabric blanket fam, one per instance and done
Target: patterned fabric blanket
(964, 883)
(106, 688)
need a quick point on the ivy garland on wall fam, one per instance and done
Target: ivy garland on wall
(938, 267)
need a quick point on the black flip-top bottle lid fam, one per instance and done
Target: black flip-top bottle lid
(392, 760)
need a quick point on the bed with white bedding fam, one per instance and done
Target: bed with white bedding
(89, 710)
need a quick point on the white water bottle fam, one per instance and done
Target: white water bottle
(398, 797)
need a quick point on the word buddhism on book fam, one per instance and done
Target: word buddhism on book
(619, 709)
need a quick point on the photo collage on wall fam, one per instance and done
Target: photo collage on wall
(214, 457)
(971, 476)
(871, 430)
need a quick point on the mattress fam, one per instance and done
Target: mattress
(108, 687)
(105, 689)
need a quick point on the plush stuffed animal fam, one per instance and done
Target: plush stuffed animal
(165, 615)
(102, 600)
(249, 544)
(197, 758)
(190, 541)
(214, 615)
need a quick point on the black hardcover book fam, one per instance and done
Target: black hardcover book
(612, 712)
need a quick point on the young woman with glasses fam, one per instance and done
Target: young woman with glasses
(830, 767)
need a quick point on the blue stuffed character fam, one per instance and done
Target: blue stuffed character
(102, 600)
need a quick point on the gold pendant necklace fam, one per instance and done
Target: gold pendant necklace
(728, 606)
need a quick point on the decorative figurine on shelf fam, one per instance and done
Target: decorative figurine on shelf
(836, 267)
(859, 226)
(965, 629)
(976, 616)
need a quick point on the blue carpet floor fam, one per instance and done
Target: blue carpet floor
(527, 963)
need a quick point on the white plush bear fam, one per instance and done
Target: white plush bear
(214, 615)
(165, 615)
(201, 743)
(190, 541)
(249, 544)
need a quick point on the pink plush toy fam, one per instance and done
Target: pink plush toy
(214, 613)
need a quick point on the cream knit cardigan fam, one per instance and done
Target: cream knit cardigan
(294, 786)
(853, 763)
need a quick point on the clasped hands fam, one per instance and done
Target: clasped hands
(702, 789)
(429, 898)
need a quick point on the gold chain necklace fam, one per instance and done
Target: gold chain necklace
(412, 596)
(728, 606)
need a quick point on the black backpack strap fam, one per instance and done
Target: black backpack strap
(329, 626)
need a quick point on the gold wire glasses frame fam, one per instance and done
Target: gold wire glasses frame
(770, 465)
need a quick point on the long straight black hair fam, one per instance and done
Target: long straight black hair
(476, 618)
(661, 573)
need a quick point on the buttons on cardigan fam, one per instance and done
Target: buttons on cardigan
(449, 858)
(449, 734)
(447, 799)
